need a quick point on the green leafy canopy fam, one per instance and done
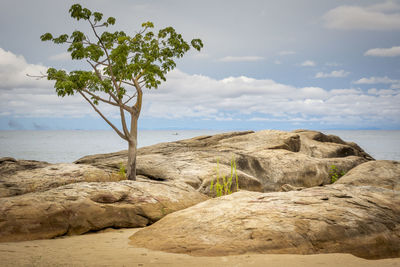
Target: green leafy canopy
(117, 59)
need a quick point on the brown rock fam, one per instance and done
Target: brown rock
(5, 159)
(21, 177)
(10, 165)
(266, 160)
(380, 173)
(359, 214)
(363, 221)
(83, 207)
(319, 145)
(56, 198)
(110, 161)
(288, 187)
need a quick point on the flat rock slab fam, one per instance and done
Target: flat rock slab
(266, 160)
(19, 177)
(82, 207)
(10, 165)
(363, 220)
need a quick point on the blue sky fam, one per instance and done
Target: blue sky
(266, 64)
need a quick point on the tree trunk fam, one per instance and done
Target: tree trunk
(131, 168)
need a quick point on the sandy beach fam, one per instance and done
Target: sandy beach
(110, 248)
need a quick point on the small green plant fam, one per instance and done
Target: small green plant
(122, 170)
(335, 174)
(224, 188)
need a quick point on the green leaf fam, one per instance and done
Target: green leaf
(61, 39)
(77, 36)
(148, 24)
(111, 20)
(197, 44)
(46, 37)
(76, 11)
(97, 16)
(86, 13)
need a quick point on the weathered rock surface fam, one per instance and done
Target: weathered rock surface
(319, 145)
(21, 176)
(266, 160)
(360, 215)
(10, 165)
(381, 173)
(41, 200)
(82, 207)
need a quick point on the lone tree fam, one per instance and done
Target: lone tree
(121, 66)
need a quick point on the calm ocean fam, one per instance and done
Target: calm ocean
(68, 146)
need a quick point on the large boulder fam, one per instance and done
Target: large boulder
(362, 220)
(381, 173)
(82, 207)
(19, 177)
(266, 160)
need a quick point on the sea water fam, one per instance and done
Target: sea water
(68, 146)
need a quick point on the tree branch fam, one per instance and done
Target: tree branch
(130, 98)
(123, 122)
(101, 62)
(83, 42)
(38, 77)
(104, 118)
(124, 82)
(118, 104)
(136, 79)
(107, 56)
(99, 98)
(95, 70)
(138, 104)
(110, 93)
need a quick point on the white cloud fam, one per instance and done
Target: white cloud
(277, 62)
(33, 102)
(14, 70)
(61, 57)
(375, 80)
(375, 91)
(333, 74)
(198, 96)
(25, 96)
(384, 52)
(286, 53)
(375, 17)
(240, 59)
(308, 63)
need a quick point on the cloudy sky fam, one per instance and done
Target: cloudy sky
(283, 64)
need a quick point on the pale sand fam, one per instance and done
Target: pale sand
(111, 248)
